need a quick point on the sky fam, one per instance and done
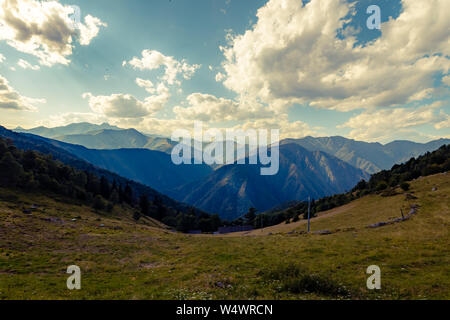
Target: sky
(304, 67)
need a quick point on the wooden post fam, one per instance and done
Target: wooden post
(309, 211)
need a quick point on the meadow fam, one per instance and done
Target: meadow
(42, 234)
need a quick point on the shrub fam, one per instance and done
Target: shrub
(109, 207)
(296, 279)
(99, 203)
(170, 221)
(381, 186)
(405, 186)
(136, 215)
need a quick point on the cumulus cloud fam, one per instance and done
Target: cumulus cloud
(26, 65)
(2, 58)
(120, 106)
(44, 29)
(206, 107)
(11, 99)
(382, 124)
(220, 77)
(445, 121)
(288, 129)
(446, 80)
(293, 55)
(90, 29)
(146, 84)
(152, 60)
(127, 106)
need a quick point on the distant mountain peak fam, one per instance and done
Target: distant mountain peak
(369, 156)
(70, 129)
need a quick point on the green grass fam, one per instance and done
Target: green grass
(125, 260)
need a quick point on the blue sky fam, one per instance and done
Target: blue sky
(193, 32)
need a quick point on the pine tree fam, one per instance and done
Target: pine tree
(104, 188)
(11, 171)
(144, 204)
(250, 216)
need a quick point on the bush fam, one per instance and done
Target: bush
(381, 186)
(136, 215)
(297, 280)
(405, 186)
(170, 221)
(109, 207)
(99, 203)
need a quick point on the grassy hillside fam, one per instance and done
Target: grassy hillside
(122, 259)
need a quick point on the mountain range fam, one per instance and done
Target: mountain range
(232, 189)
(371, 157)
(118, 139)
(152, 168)
(309, 166)
(50, 147)
(73, 128)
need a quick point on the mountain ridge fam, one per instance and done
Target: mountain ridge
(232, 189)
(73, 128)
(27, 141)
(150, 167)
(369, 156)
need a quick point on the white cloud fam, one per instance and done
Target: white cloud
(11, 99)
(146, 84)
(445, 121)
(126, 105)
(288, 129)
(90, 29)
(206, 107)
(292, 55)
(152, 60)
(44, 29)
(220, 77)
(446, 80)
(384, 124)
(2, 58)
(26, 65)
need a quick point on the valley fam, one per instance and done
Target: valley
(127, 246)
(121, 259)
(314, 167)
